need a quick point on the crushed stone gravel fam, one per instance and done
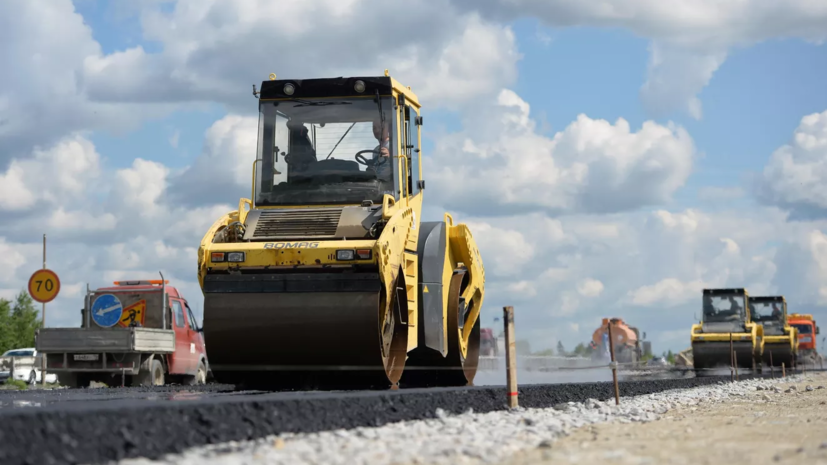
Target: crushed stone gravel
(466, 438)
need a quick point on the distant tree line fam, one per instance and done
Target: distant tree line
(18, 321)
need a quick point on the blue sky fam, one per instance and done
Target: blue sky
(617, 221)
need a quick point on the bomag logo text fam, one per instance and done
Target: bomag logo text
(291, 245)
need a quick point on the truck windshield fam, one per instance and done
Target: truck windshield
(721, 308)
(803, 328)
(767, 311)
(325, 151)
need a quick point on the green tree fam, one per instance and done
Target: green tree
(6, 330)
(25, 319)
(523, 347)
(560, 349)
(583, 350)
(18, 322)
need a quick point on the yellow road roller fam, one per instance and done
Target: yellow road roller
(327, 277)
(780, 339)
(726, 316)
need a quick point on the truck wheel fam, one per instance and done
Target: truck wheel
(200, 375)
(152, 377)
(157, 373)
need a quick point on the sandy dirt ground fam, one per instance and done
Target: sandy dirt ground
(770, 427)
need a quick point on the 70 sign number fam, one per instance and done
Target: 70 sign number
(44, 285)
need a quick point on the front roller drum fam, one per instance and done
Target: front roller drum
(295, 338)
(717, 355)
(781, 353)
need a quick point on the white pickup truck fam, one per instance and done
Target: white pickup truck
(26, 364)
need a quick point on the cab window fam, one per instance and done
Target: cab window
(191, 318)
(179, 313)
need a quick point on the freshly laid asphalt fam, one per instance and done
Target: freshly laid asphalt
(101, 425)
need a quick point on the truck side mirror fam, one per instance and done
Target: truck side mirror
(818, 330)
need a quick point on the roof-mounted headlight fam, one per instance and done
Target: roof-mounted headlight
(359, 86)
(289, 89)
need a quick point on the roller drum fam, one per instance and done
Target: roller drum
(781, 353)
(300, 330)
(716, 355)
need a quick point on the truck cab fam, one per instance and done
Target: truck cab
(807, 332)
(135, 332)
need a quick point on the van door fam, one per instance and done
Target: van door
(181, 360)
(196, 337)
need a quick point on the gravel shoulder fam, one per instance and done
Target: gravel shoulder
(540, 435)
(763, 426)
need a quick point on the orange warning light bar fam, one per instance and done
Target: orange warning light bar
(141, 283)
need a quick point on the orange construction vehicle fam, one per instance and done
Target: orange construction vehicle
(488, 343)
(628, 346)
(807, 332)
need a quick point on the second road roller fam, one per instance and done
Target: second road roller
(327, 276)
(780, 339)
(726, 323)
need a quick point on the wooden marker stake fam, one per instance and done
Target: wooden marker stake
(510, 356)
(614, 365)
(772, 368)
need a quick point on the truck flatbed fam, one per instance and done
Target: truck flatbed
(82, 340)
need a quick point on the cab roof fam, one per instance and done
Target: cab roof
(735, 290)
(336, 87)
(764, 298)
(140, 285)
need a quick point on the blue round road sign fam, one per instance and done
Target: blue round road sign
(107, 310)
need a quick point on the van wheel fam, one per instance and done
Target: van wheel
(152, 377)
(200, 375)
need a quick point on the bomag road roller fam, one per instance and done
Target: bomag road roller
(726, 317)
(780, 339)
(327, 275)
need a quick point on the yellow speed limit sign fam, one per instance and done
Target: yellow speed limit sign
(44, 286)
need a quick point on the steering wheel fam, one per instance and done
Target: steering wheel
(371, 163)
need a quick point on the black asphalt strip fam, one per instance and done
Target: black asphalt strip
(99, 431)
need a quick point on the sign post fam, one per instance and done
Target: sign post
(44, 285)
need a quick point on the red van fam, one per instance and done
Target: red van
(135, 333)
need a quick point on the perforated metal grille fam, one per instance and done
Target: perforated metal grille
(291, 224)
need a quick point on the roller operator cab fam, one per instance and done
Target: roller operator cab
(780, 338)
(327, 275)
(726, 317)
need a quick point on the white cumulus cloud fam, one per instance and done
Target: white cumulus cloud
(795, 177)
(592, 165)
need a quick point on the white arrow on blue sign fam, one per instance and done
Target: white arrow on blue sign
(107, 310)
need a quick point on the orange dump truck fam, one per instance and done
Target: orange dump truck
(628, 345)
(807, 332)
